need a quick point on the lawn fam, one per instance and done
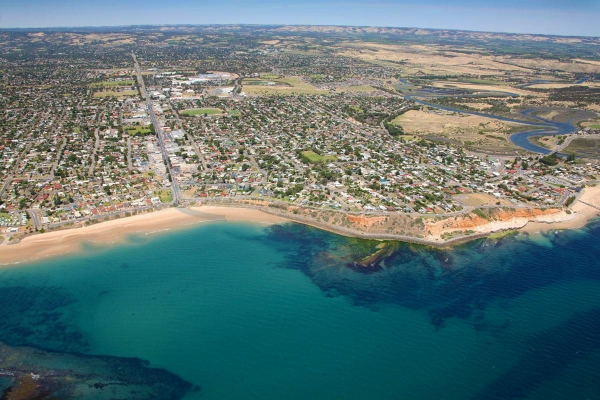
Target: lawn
(384, 63)
(262, 82)
(165, 195)
(110, 93)
(595, 126)
(269, 76)
(202, 111)
(481, 81)
(129, 82)
(315, 158)
(137, 130)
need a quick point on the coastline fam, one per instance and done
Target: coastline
(581, 214)
(585, 208)
(68, 241)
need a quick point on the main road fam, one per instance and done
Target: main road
(177, 197)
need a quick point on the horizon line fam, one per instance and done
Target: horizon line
(284, 25)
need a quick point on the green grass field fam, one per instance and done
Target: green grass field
(481, 81)
(137, 130)
(595, 126)
(111, 93)
(261, 82)
(315, 158)
(384, 63)
(165, 196)
(202, 111)
(269, 76)
(129, 82)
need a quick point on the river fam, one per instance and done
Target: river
(540, 126)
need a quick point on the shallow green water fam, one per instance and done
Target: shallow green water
(245, 311)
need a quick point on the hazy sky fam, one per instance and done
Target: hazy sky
(563, 17)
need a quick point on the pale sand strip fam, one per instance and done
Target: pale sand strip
(56, 243)
(580, 214)
(579, 217)
(240, 214)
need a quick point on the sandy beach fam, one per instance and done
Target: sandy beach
(581, 213)
(67, 241)
(52, 244)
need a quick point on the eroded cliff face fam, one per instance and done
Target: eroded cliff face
(481, 221)
(435, 229)
(492, 220)
(425, 229)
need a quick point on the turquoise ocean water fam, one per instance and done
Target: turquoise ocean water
(244, 311)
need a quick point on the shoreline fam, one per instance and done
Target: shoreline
(581, 214)
(70, 241)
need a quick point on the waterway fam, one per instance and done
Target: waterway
(243, 311)
(543, 127)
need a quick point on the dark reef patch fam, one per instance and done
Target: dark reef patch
(30, 373)
(36, 316)
(455, 283)
(41, 354)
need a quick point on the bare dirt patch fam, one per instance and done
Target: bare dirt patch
(547, 64)
(428, 59)
(472, 130)
(481, 199)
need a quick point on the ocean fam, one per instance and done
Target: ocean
(247, 311)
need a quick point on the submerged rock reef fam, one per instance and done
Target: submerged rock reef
(458, 282)
(43, 355)
(30, 373)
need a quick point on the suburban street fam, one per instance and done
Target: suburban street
(159, 133)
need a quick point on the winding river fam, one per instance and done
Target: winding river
(540, 126)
